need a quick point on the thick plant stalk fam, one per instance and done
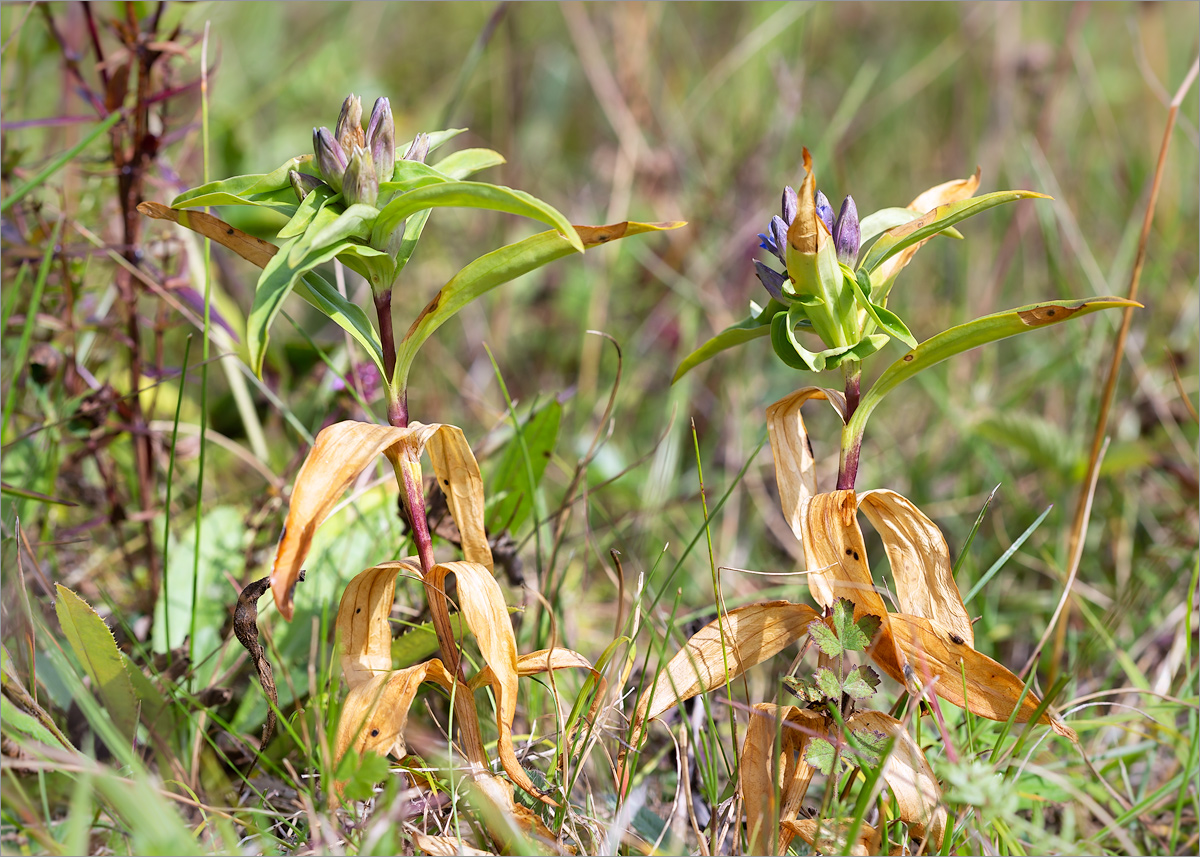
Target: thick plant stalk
(851, 440)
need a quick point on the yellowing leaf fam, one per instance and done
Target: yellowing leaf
(343, 451)
(951, 191)
(752, 634)
(908, 776)
(832, 836)
(362, 621)
(773, 786)
(920, 562)
(481, 604)
(992, 690)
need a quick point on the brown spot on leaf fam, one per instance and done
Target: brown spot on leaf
(909, 357)
(429, 307)
(957, 640)
(1047, 314)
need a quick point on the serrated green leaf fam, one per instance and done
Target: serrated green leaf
(825, 638)
(97, 652)
(868, 625)
(933, 222)
(851, 637)
(820, 754)
(464, 194)
(861, 682)
(887, 320)
(499, 267)
(511, 476)
(972, 334)
(753, 327)
(827, 682)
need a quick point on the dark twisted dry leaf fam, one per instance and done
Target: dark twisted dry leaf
(245, 628)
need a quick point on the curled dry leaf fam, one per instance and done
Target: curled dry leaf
(991, 691)
(908, 776)
(947, 192)
(341, 452)
(773, 786)
(752, 634)
(829, 837)
(362, 621)
(375, 713)
(920, 562)
(442, 846)
(481, 604)
(245, 628)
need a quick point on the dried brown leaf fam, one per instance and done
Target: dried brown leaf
(245, 628)
(482, 606)
(253, 250)
(773, 786)
(752, 634)
(920, 562)
(951, 191)
(375, 713)
(362, 621)
(443, 846)
(992, 690)
(908, 776)
(340, 453)
(832, 839)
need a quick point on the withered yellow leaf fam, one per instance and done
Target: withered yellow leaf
(375, 713)
(340, 453)
(481, 604)
(992, 690)
(908, 776)
(946, 192)
(920, 562)
(362, 621)
(443, 846)
(773, 786)
(752, 634)
(826, 836)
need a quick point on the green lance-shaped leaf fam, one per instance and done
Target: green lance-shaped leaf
(308, 210)
(259, 189)
(323, 295)
(878, 222)
(461, 194)
(94, 646)
(354, 222)
(750, 328)
(499, 267)
(511, 478)
(887, 320)
(933, 222)
(972, 334)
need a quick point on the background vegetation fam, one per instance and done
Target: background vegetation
(651, 112)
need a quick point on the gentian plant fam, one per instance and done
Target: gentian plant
(356, 201)
(827, 309)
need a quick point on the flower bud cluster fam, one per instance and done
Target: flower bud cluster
(351, 161)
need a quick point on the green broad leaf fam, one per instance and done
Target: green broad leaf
(420, 643)
(881, 221)
(825, 638)
(787, 348)
(360, 773)
(307, 211)
(354, 222)
(410, 175)
(238, 190)
(463, 194)
(869, 626)
(97, 652)
(153, 702)
(752, 327)
(499, 267)
(887, 320)
(827, 682)
(350, 317)
(514, 470)
(820, 754)
(861, 682)
(933, 222)
(972, 334)
(849, 634)
(467, 162)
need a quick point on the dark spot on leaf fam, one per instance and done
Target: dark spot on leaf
(908, 358)
(229, 231)
(445, 481)
(357, 611)
(852, 552)
(957, 640)
(374, 733)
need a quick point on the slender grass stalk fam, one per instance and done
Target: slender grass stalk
(166, 584)
(35, 302)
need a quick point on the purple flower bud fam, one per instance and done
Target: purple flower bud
(825, 211)
(419, 149)
(779, 230)
(791, 204)
(848, 235)
(360, 184)
(331, 157)
(381, 139)
(303, 184)
(349, 125)
(771, 279)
